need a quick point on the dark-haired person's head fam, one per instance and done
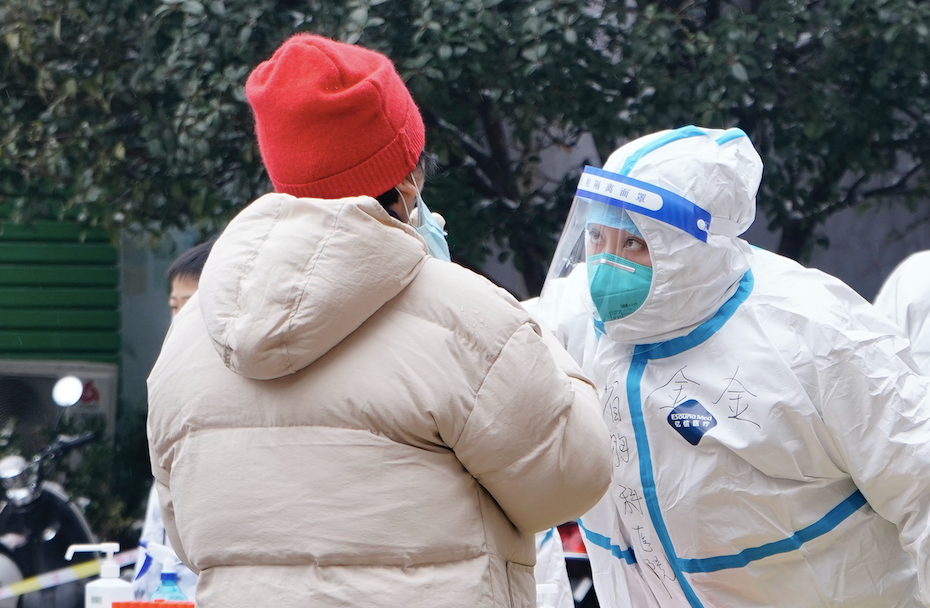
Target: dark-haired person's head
(184, 275)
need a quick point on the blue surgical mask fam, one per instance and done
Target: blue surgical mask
(432, 233)
(429, 229)
(618, 286)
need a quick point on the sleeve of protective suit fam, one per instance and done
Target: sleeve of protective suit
(564, 311)
(535, 438)
(551, 568)
(153, 531)
(878, 410)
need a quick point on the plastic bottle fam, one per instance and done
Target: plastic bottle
(109, 588)
(168, 590)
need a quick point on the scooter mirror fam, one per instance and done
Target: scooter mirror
(19, 478)
(11, 467)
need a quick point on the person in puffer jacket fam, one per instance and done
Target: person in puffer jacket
(340, 418)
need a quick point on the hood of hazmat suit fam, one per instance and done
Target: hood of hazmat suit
(678, 189)
(771, 438)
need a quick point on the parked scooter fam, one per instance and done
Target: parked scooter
(38, 522)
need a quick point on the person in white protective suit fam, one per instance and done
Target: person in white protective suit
(905, 299)
(771, 437)
(551, 569)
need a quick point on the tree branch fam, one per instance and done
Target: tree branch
(498, 166)
(480, 154)
(482, 168)
(898, 187)
(853, 193)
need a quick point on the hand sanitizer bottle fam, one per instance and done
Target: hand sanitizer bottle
(168, 590)
(109, 588)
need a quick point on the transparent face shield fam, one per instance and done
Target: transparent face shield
(602, 235)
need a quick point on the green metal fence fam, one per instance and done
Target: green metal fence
(59, 293)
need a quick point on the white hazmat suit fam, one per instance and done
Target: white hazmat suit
(905, 299)
(771, 437)
(551, 570)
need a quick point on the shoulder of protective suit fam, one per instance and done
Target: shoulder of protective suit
(906, 288)
(468, 304)
(812, 302)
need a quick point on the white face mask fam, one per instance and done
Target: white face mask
(428, 227)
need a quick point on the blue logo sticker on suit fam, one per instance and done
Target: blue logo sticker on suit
(691, 420)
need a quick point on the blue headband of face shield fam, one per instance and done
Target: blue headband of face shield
(624, 192)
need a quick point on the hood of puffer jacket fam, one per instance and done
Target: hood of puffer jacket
(290, 278)
(720, 172)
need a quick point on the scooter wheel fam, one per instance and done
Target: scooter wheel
(9, 574)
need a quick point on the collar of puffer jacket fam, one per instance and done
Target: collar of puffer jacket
(290, 278)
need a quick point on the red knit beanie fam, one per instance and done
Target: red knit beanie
(333, 119)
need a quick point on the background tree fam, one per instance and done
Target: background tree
(833, 94)
(124, 113)
(127, 114)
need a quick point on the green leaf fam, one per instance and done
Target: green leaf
(12, 40)
(192, 7)
(739, 72)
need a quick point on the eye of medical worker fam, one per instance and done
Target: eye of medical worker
(616, 241)
(594, 236)
(634, 244)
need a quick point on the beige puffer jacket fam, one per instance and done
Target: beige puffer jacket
(380, 428)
